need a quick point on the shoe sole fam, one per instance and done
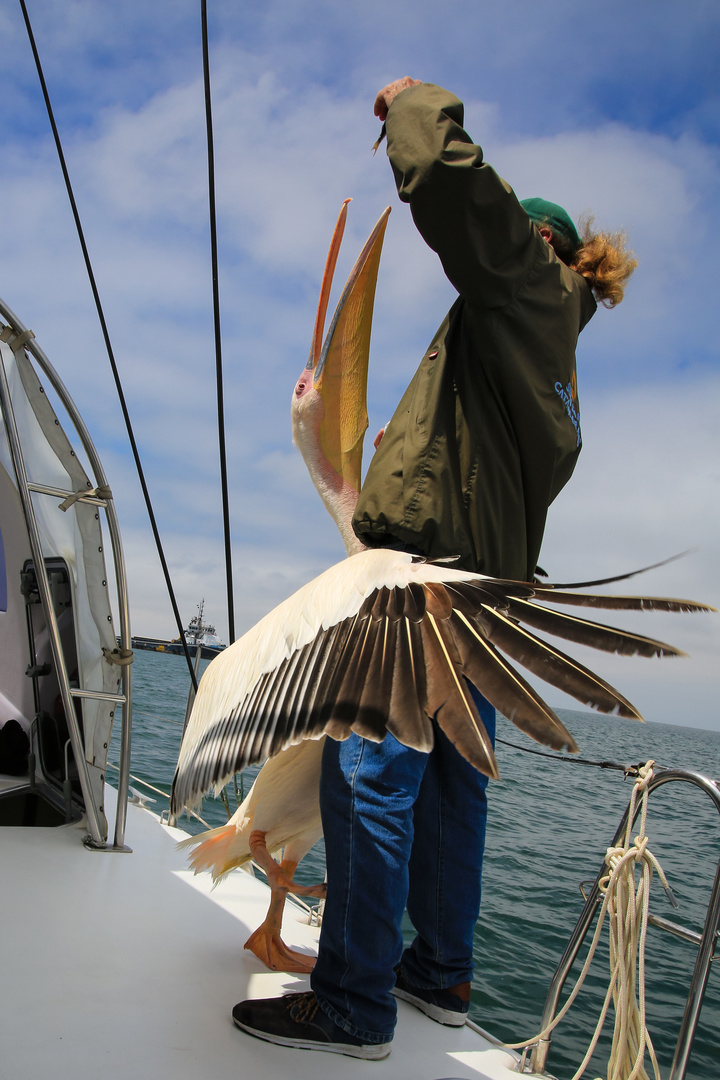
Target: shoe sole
(369, 1053)
(435, 1012)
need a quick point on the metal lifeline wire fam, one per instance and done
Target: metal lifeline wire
(628, 770)
(314, 914)
(158, 791)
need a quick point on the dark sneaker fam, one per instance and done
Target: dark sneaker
(445, 1006)
(297, 1020)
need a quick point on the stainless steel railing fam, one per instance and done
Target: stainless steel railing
(706, 941)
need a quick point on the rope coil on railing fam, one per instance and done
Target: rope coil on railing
(627, 904)
(121, 657)
(14, 338)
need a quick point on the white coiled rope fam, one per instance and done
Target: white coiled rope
(626, 889)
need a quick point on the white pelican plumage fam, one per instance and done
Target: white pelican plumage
(380, 642)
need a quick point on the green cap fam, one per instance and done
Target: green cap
(547, 213)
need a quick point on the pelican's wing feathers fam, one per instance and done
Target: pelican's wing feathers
(555, 595)
(382, 642)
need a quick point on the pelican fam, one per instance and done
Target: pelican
(329, 419)
(380, 642)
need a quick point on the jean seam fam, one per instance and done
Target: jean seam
(349, 881)
(438, 888)
(374, 1037)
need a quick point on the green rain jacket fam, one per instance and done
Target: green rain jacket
(488, 432)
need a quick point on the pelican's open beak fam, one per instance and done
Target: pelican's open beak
(340, 367)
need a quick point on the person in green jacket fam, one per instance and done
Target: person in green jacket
(488, 431)
(484, 438)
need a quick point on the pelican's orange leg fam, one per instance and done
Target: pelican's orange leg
(266, 942)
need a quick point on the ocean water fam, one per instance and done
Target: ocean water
(550, 822)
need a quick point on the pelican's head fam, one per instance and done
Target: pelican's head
(329, 411)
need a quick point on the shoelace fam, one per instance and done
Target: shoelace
(305, 1006)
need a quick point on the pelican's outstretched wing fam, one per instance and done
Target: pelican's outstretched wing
(382, 642)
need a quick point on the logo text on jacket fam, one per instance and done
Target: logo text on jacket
(568, 396)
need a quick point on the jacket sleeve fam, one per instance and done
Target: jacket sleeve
(461, 207)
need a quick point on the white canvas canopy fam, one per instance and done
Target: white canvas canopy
(47, 472)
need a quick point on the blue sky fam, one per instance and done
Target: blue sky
(611, 110)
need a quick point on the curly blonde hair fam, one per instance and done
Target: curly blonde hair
(602, 259)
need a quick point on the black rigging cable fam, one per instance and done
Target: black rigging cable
(216, 317)
(108, 346)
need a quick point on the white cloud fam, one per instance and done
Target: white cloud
(290, 146)
(647, 487)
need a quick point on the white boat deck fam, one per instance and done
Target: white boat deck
(125, 965)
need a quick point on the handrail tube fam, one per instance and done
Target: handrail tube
(118, 561)
(45, 489)
(705, 953)
(97, 695)
(673, 928)
(698, 984)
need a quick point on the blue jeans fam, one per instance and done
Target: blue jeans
(401, 828)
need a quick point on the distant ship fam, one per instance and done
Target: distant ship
(197, 634)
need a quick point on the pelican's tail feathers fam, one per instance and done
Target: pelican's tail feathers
(217, 850)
